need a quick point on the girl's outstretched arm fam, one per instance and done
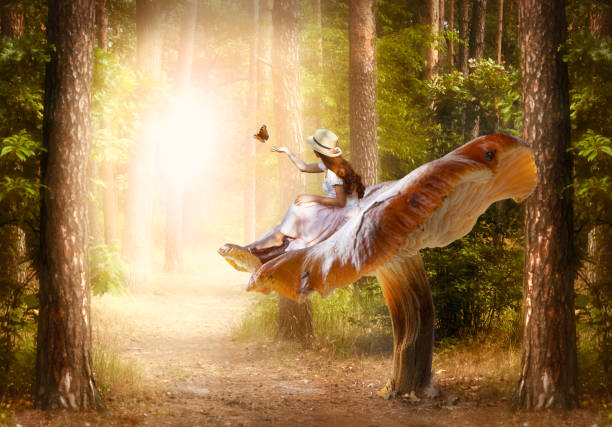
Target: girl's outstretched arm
(301, 165)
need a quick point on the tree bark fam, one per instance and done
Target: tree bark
(476, 49)
(176, 184)
(451, 27)
(295, 320)
(464, 22)
(362, 90)
(500, 30)
(250, 190)
(12, 237)
(432, 19)
(139, 204)
(406, 289)
(548, 377)
(12, 22)
(64, 373)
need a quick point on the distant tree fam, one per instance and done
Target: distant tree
(64, 372)
(250, 189)
(12, 237)
(362, 89)
(548, 377)
(12, 20)
(451, 28)
(107, 170)
(500, 29)
(476, 51)
(295, 320)
(432, 19)
(137, 240)
(464, 26)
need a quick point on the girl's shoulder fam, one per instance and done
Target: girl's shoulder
(322, 166)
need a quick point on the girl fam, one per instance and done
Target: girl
(310, 219)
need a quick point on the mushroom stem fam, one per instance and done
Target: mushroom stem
(404, 284)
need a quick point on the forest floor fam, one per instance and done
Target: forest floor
(178, 334)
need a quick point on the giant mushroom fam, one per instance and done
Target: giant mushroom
(432, 206)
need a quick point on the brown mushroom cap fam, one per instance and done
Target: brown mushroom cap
(432, 206)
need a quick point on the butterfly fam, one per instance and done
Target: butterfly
(262, 136)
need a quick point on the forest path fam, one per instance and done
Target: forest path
(179, 333)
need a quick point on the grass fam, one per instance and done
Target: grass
(349, 322)
(115, 375)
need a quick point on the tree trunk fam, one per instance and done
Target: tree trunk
(12, 237)
(64, 373)
(107, 174)
(12, 22)
(92, 202)
(362, 89)
(265, 101)
(476, 49)
(139, 204)
(250, 189)
(319, 77)
(500, 30)
(432, 19)
(404, 284)
(464, 22)
(451, 27)
(548, 377)
(295, 320)
(176, 185)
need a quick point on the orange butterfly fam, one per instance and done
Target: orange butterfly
(262, 136)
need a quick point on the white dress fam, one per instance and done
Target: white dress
(313, 222)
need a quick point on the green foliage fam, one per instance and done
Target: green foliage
(108, 272)
(492, 89)
(589, 61)
(477, 281)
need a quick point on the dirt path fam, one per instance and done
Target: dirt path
(180, 332)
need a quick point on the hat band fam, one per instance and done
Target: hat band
(319, 144)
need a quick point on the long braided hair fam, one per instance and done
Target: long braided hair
(351, 180)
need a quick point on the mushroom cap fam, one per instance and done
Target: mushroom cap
(432, 206)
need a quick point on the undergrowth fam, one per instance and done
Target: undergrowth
(351, 321)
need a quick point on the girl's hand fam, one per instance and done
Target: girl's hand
(304, 198)
(280, 150)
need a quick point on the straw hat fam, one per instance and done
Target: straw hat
(325, 142)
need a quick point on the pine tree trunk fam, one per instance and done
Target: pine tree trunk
(362, 89)
(432, 19)
(107, 174)
(464, 22)
(500, 30)
(295, 320)
(406, 289)
(92, 202)
(451, 28)
(12, 22)
(476, 51)
(250, 192)
(548, 377)
(319, 77)
(137, 242)
(12, 237)
(64, 373)
(265, 107)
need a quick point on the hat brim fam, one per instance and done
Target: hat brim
(334, 152)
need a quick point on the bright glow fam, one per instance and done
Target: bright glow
(188, 138)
